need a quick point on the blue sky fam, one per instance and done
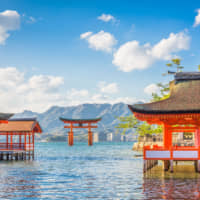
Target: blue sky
(46, 60)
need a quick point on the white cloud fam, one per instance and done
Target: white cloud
(9, 21)
(37, 93)
(110, 88)
(85, 35)
(10, 76)
(127, 100)
(197, 19)
(132, 55)
(174, 43)
(77, 97)
(45, 83)
(101, 41)
(74, 93)
(31, 20)
(101, 98)
(106, 18)
(40, 92)
(152, 88)
(106, 95)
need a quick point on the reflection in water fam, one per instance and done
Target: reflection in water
(17, 181)
(184, 183)
(171, 188)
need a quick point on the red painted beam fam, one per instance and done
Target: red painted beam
(81, 127)
(4, 121)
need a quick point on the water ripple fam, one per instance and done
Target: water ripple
(104, 171)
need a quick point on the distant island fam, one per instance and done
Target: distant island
(53, 128)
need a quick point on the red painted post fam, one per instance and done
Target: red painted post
(70, 136)
(29, 140)
(20, 141)
(11, 142)
(7, 140)
(167, 139)
(90, 143)
(33, 142)
(90, 138)
(197, 138)
(25, 141)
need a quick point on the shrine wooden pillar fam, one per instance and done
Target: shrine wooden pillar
(25, 141)
(11, 141)
(167, 136)
(71, 136)
(33, 140)
(7, 140)
(197, 137)
(29, 140)
(90, 136)
(20, 141)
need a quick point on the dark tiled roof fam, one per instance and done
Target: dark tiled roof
(80, 120)
(187, 76)
(23, 119)
(184, 97)
(5, 116)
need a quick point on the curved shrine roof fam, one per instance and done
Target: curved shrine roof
(184, 97)
(21, 125)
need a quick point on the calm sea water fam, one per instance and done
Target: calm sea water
(103, 171)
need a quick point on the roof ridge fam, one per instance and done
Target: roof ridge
(23, 119)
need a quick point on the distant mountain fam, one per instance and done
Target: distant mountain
(52, 126)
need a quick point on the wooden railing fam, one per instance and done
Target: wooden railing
(16, 146)
(173, 153)
(156, 147)
(29, 147)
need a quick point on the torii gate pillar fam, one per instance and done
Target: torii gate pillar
(71, 135)
(70, 138)
(90, 136)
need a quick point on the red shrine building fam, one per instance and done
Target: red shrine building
(179, 114)
(17, 138)
(80, 123)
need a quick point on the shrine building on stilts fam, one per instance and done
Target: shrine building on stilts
(17, 138)
(180, 113)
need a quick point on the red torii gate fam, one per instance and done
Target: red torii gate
(78, 123)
